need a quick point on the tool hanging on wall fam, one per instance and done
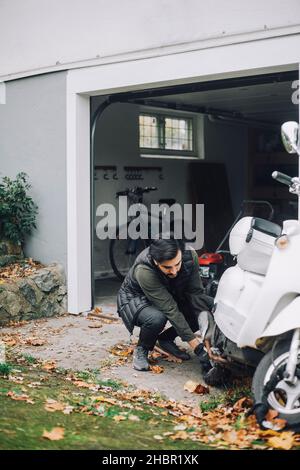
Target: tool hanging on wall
(136, 172)
(109, 172)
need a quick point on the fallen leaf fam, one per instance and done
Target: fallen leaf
(34, 384)
(81, 383)
(201, 389)
(49, 365)
(133, 418)
(68, 410)
(56, 434)
(119, 418)
(20, 397)
(101, 398)
(97, 310)
(284, 441)
(122, 349)
(277, 424)
(158, 437)
(180, 436)
(53, 405)
(157, 369)
(35, 342)
(95, 325)
(194, 387)
(268, 433)
(15, 379)
(242, 403)
(180, 427)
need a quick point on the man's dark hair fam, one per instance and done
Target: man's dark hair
(165, 249)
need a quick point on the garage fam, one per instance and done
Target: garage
(213, 142)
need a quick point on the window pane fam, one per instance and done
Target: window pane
(148, 127)
(178, 134)
(165, 132)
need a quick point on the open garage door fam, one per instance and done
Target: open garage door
(225, 152)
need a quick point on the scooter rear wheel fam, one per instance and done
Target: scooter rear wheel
(284, 398)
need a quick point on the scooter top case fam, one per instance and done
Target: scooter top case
(252, 240)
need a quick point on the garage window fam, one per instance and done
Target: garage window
(166, 135)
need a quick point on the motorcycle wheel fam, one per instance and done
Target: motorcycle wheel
(284, 398)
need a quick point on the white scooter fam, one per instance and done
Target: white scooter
(256, 318)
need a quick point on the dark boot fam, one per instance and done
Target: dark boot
(140, 358)
(172, 348)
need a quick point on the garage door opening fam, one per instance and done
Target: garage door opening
(213, 143)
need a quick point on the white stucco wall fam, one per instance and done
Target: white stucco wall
(37, 36)
(33, 139)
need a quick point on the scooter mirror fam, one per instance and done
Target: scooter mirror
(289, 135)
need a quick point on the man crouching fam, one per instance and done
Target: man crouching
(163, 284)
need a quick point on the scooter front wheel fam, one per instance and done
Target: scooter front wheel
(284, 397)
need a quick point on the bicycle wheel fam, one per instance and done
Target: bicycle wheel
(122, 254)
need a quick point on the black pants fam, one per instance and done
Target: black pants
(152, 321)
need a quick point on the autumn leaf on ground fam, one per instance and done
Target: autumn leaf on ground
(101, 398)
(180, 436)
(193, 387)
(35, 342)
(20, 397)
(16, 379)
(133, 418)
(284, 441)
(53, 405)
(95, 325)
(243, 403)
(122, 349)
(272, 422)
(157, 369)
(96, 310)
(10, 340)
(49, 365)
(56, 434)
(235, 437)
(119, 418)
(81, 383)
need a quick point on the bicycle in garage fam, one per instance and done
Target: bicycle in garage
(124, 248)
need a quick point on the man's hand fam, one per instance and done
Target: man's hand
(194, 343)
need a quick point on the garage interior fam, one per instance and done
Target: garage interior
(236, 147)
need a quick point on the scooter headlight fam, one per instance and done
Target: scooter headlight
(282, 242)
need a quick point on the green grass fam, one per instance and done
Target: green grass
(22, 424)
(229, 398)
(5, 369)
(30, 359)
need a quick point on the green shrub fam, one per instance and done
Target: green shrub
(17, 209)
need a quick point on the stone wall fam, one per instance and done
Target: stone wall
(42, 294)
(9, 252)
